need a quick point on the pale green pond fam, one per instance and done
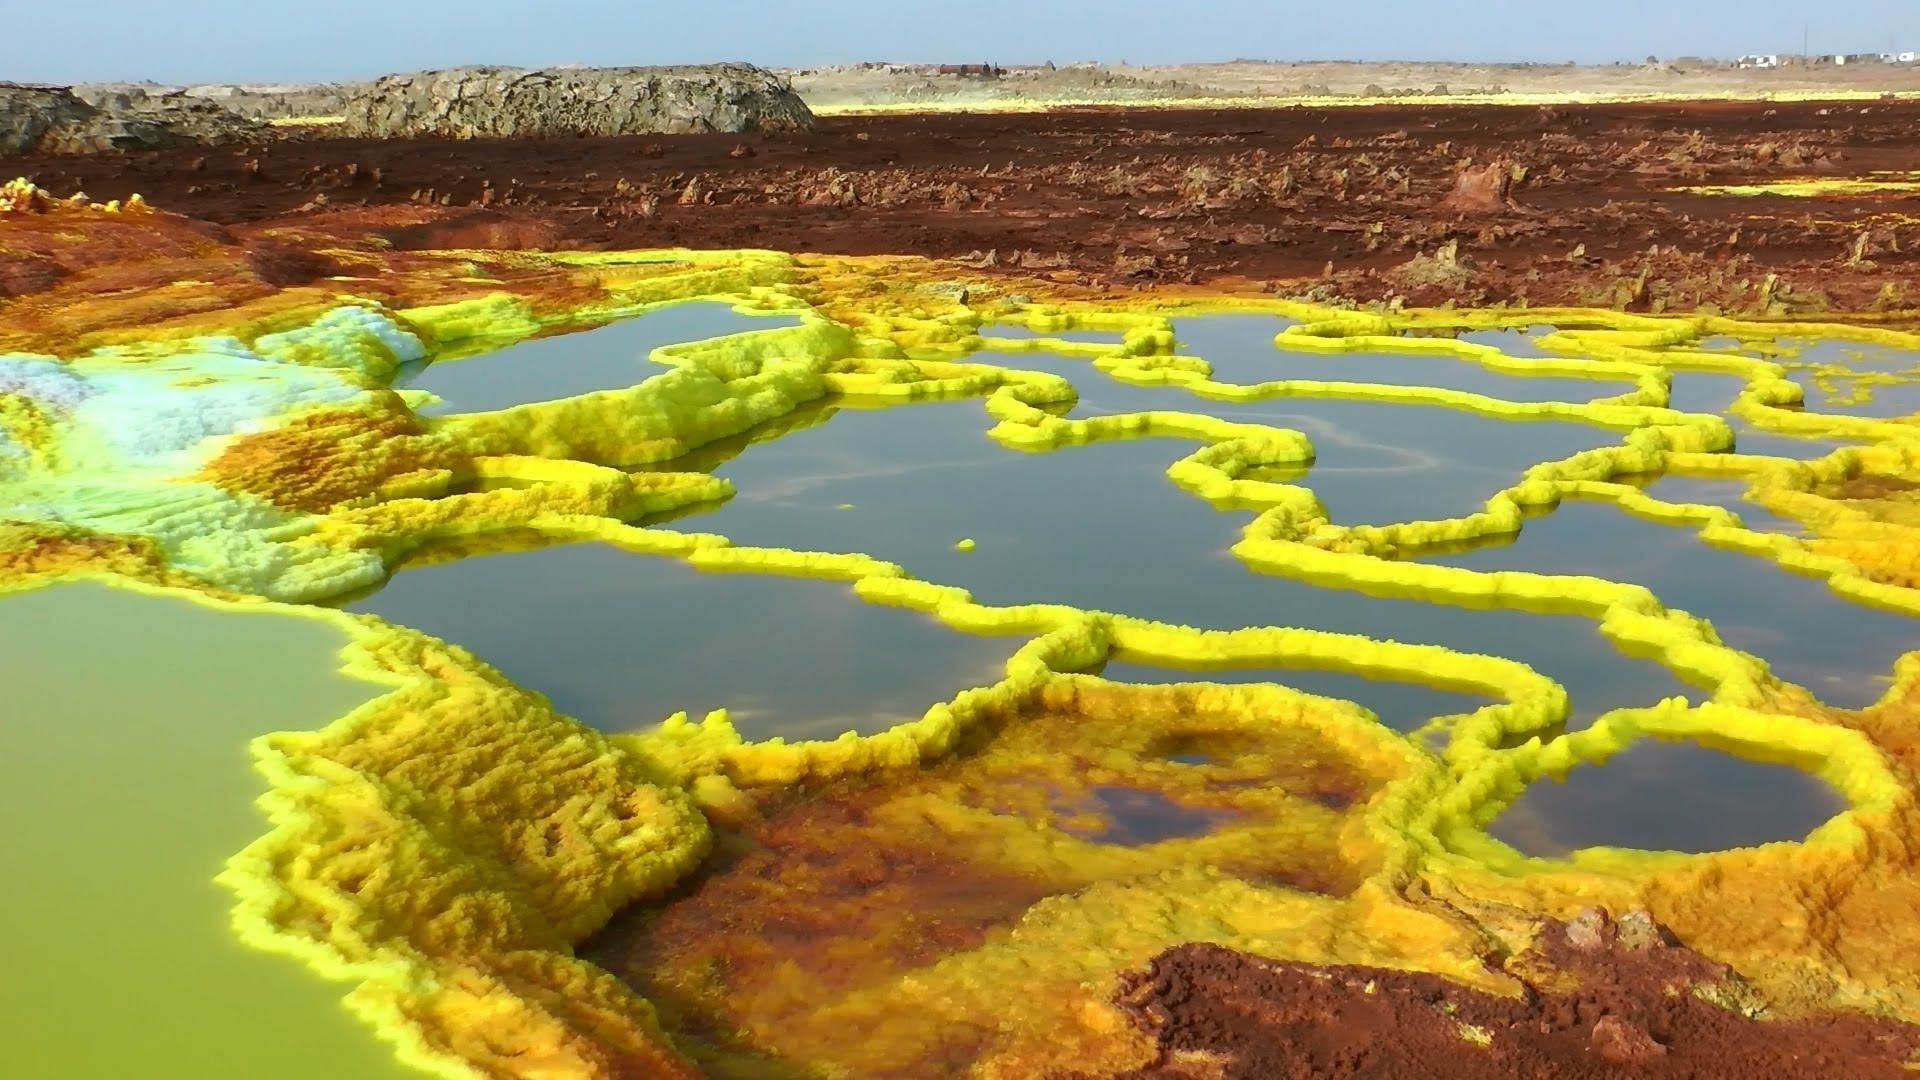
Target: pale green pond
(125, 783)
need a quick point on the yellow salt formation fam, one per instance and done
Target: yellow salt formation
(21, 195)
(448, 846)
(1815, 187)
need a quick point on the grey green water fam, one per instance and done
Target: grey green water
(1671, 796)
(1520, 341)
(621, 641)
(1375, 462)
(1242, 349)
(608, 357)
(1723, 491)
(125, 784)
(1851, 394)
(1207, 335)
(1025, 333)
(1842, 651)
(1101, 527)
(1401, 705)
(1705, 392)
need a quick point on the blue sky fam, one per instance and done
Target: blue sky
(222, 40)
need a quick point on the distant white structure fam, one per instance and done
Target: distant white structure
(1760, 60)
(1907, 58)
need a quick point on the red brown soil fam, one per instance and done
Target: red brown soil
(1625, 1005)
(811, 892)
(1128, 197)
(815, 897)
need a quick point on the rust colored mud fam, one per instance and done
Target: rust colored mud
(823, 899)
(1568, 204)
(1598, 1001)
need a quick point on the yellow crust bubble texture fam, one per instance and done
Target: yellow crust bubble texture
(445, 848)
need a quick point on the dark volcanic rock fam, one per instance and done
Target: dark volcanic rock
(49, 119)
(482, 102)
(52, 119)
(187, 118)
(255, 101)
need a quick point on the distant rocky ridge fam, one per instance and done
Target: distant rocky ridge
(257, 101)
(493, 102)
(460, 103)
(53, 119)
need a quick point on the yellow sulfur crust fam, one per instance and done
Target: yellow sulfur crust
(447, 846)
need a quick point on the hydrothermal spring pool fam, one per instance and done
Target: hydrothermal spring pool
(803, 675)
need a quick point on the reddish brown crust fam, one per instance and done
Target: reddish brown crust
(1624, 1005)
(1138, 197)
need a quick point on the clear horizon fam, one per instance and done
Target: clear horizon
(228, 41)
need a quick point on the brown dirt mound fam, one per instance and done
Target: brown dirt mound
(1600, 1002)
(1486, 189)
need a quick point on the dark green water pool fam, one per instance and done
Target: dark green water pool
(1708, 392)
(1842, 651)
(621, 641)
(1376, 462)
(1242, 350)
(1101, 527)
(1672, 796)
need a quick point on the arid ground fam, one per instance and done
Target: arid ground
(1570, 204)
(883, 85)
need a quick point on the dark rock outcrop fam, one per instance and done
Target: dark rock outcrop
(255, 101)
(491, 102)
(185, 117)
(52, 119)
